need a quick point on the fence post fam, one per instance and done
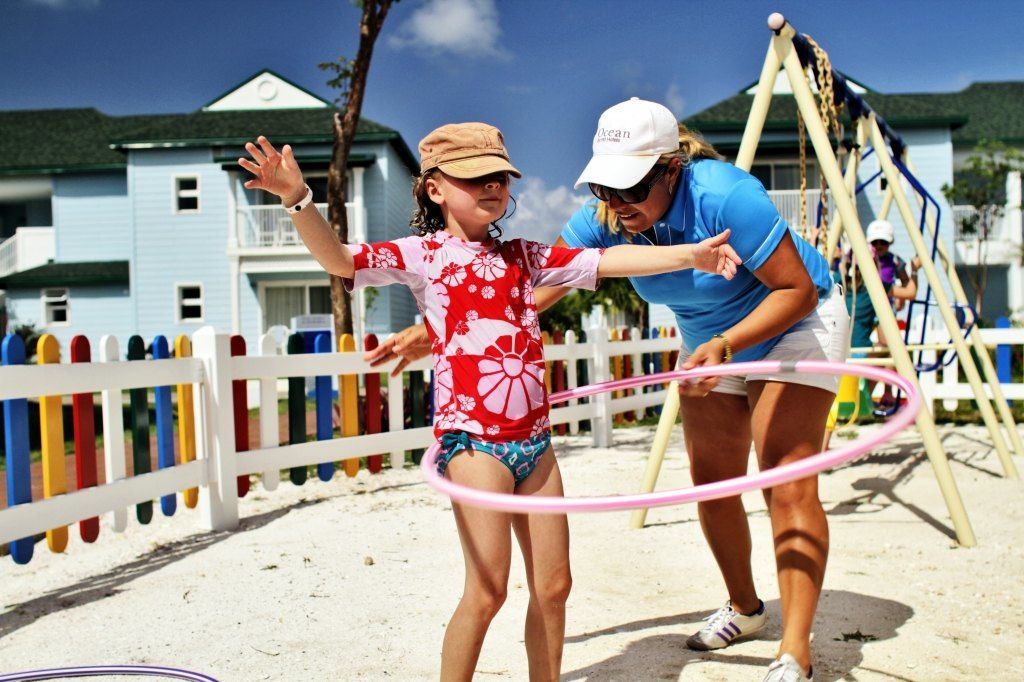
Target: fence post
(270, 425)
(558, 376)
(601, 425)
(639, 369)
(571, 380)
(218, 499)
(113, 430)
(396, 415)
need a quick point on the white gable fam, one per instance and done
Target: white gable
(265, 91)
(782, 86)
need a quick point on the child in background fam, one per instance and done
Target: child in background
(476, 295)
(899, 279)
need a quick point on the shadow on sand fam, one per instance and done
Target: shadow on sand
(17, 615)
(846, 621)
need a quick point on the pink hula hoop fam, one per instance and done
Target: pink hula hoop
(709, 491)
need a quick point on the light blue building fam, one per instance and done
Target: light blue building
(140, 224)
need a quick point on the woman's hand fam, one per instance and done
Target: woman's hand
(410, 344)
(277, 173)
(714, 255)
(707, 354)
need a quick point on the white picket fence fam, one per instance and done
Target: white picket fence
(210, 372)
(212, 369)
(945, 385)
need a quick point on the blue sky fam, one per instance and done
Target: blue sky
(541, 70)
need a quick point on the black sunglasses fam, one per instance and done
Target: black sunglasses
(636, 194)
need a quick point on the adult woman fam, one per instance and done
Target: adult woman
(658, 184)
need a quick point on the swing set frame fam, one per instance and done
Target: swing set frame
(794, 53)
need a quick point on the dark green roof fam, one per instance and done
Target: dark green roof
(995, 111)
(211, 128)
(67, 274)
(989, 110)
(71, 140)
(61, 140)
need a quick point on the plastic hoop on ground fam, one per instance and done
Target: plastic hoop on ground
(97, 670)
(710, 491)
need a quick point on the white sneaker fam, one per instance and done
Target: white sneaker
(786, 669)
(725, 626)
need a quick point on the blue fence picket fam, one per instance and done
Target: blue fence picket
(1003, 359)
(324, 407)
(19, 467)
(164, 425)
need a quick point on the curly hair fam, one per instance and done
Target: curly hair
(428, 218)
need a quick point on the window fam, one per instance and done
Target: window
(320, 300)
(784, 176)
(190, 303)
(283, 302)
(186, 194)
(56, 307)
(317, 183)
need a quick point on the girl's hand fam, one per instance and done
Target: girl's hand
(410, 344)
(714, 255)
(277, 173)
(707, 354)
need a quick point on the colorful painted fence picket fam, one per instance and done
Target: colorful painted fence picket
(201, 445)
(188, 423)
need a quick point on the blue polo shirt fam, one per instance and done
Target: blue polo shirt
(712, 196)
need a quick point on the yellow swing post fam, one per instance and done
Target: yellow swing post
(744, 160)
(991, 378)
(782, 51)
(988, 415)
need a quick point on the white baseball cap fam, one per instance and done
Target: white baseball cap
(631, 136)
(880, 229)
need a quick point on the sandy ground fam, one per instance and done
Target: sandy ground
(356, 579)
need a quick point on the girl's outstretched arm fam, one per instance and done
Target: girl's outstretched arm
(278, 173)
(712, 255)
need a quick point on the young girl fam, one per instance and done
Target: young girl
(476, 295)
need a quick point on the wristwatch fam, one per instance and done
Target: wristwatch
(728, 347)
(303, 202)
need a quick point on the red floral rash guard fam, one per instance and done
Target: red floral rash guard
(477, 300)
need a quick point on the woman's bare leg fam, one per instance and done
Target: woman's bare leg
(487, 550)
(788, 423)
(717, 434)
(544, 540)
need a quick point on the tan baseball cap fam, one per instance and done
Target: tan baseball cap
(466, 150)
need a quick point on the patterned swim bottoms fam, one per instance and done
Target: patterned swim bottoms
(520, 456)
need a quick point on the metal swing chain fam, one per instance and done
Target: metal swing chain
(830, 117)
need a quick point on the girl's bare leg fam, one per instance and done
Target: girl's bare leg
(544, 540)
(788, 423)
(487, 548)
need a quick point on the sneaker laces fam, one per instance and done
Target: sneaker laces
(717, 620)
(778, 671)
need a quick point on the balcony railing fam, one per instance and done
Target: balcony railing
(28, 248)
(962, 213)
(1002, 247)
(787, 201)
(271, 227)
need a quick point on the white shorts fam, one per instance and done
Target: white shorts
(822, 335)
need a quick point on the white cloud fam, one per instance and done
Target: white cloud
(541, 213)
(675, 101)
(462, 27)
